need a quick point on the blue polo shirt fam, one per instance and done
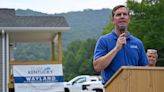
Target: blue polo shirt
(131, 54)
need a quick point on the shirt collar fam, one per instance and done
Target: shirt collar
(116, 36)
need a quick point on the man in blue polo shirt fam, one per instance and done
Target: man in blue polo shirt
(118, 48)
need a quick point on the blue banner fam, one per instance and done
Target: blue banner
(38, 79)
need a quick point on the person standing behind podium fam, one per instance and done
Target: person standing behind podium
(118, 48)
(152, 56)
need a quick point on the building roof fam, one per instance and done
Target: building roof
(9, 19)
(18, 26)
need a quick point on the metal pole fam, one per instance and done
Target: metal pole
(3, 62)
(7, 62)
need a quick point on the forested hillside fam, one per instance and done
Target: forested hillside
(84, 24)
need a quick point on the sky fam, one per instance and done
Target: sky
(60, 6)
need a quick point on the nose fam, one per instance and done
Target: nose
(122, 15)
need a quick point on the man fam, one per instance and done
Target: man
(152, 56)
(118, 48)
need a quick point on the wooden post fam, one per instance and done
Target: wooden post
(59, 48)
(53, 51)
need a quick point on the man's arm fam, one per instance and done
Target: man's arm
(102, 62)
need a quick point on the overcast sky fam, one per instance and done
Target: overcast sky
(60, 6)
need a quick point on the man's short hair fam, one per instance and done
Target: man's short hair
(117, 7)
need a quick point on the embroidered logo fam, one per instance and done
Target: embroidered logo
(134, 46)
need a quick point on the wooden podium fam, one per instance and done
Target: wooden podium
(136, 79)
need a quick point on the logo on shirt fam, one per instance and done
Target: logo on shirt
(134, 46)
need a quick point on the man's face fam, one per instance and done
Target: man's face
(121, 17)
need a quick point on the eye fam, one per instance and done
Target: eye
(119, 14)
(125, 14)
(149, 56)
(153, 56)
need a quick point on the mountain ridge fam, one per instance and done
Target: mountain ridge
(84, 24)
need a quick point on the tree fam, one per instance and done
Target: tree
(147, 18)
(108, 28)
(147, 23)
(78, 58)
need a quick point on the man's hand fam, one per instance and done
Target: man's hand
(121, 41)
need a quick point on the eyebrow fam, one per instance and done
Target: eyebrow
(122, 13)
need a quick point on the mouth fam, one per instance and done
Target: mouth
(122, 22)
(151, 62)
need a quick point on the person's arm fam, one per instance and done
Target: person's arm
(102, 62)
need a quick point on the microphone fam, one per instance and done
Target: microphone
(122, 29)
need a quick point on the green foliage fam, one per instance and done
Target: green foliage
(108, 28)
(147, 23)
(84, 24)
(78, 58)
(147, 18)
(32, 52)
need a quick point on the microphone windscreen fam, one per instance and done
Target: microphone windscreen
(122, 29)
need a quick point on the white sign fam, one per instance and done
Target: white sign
(38, 78)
